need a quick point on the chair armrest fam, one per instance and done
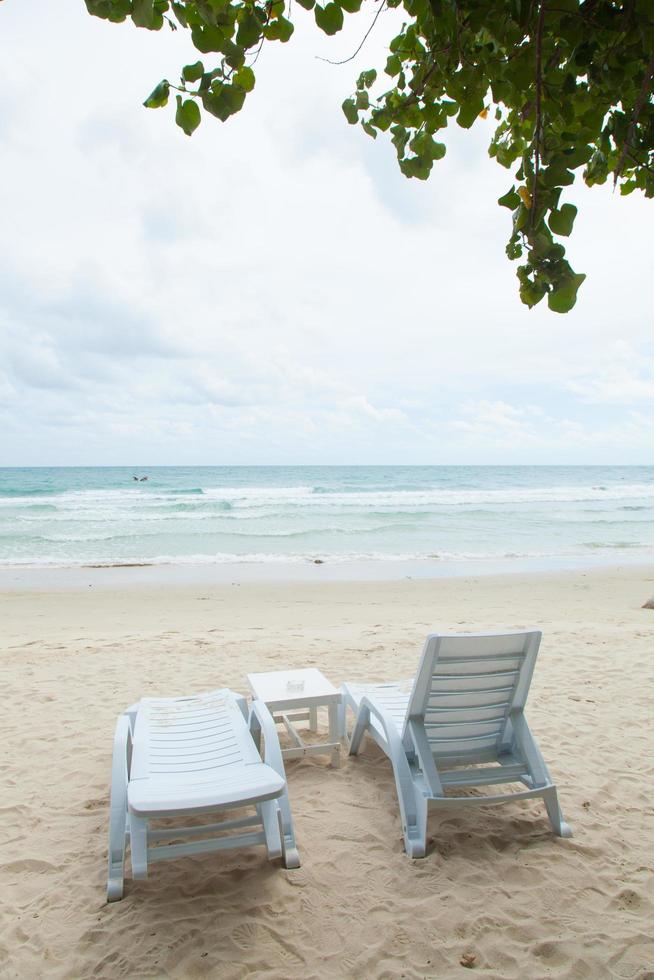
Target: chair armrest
(406, 789)
(242, 703)
(261, 722)
(529, 748)
(390, 730)
(131, 714)
(396, 751)
(122, 754)
(120, 767)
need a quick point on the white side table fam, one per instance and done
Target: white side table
(296, 695)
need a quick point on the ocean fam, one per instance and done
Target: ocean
(547, 515)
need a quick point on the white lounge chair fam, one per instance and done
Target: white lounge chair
(179, 757)
(459, 723)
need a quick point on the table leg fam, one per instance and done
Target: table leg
(335, 734)
(313, 719)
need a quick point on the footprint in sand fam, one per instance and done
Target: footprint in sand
(298, 878)
(633, 962)
(245, 935)
(627, 900)
(96, 804)
(28, 865)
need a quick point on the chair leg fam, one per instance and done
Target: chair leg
(138, 833)
(335, 734)
(117, 840)
(413, 805)
(559, 826)
(290, 856)
(415, 833)
(268, 812)
(340, 717)
(359, 730)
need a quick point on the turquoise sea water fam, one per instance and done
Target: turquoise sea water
(203, 515)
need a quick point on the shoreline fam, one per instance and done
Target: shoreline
(142, 574)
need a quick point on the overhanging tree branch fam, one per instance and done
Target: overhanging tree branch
(640, 102)
(561, 77)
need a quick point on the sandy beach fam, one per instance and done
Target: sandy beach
(495, 886)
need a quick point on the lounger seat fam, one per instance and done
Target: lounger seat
(180, 757)
(459, 724)
(393, 698)
(249, 784)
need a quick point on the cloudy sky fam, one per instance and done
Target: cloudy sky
(273, 290)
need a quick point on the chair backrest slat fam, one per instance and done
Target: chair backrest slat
(450, 715)
(473, 682)
(469, 697)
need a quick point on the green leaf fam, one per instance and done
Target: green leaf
(520, 218)
(427, 148)
(531, 292)
(382, 120)
(245, 78)
(159, 96)
(576, 155)
(399, 140)
(564, 295)
(207, 38)
(249, 30)
(557, 176)
(307, 4)
(224, 101)
(469, 112)
(187, 116)
(145, 15)
(180, 13)
(142, 12)
(434, 117)
(350, 111)
(193, 73)
(510, 200)
(572, 6)
(561, 221)
(367, 79)
(278, 30)
(419, 167)
(350, 5)
(393, 65)
(330, 18)
(111, 10)
(234, 55)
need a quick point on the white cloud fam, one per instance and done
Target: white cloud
(625, 378)
(616, 386)
(499, 421)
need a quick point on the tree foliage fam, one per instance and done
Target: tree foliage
(568, 83)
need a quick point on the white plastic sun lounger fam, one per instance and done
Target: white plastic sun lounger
(179, 757)
(459, 723)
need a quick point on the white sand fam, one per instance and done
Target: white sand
(495, 883)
